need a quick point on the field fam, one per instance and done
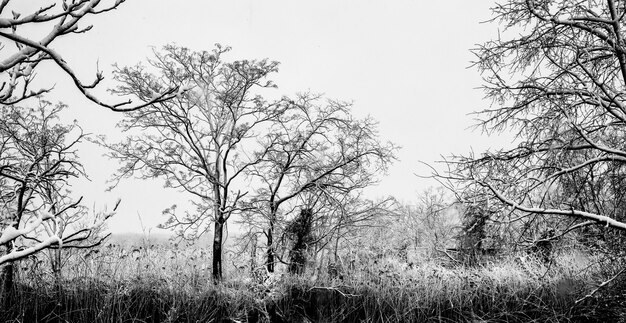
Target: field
(313, 162)
(169, 283)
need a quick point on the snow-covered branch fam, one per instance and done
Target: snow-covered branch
(61, 18)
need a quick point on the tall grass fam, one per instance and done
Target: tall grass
(163, 284)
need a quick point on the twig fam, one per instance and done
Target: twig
(449, 256)
(600, 286)
(334, 289)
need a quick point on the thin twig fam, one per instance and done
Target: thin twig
(600, 286)
(334, 289)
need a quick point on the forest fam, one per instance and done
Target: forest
(277, 225)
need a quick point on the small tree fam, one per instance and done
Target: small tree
(428, 226)
(37, 158)
(324, 223)
(299, 231)
(342, 217)
(474, 233)
(18, 64)
(319, 148)
(204, 140)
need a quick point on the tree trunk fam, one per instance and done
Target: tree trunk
(217, 249)
(8, 271)
(269, 264)
(270, 248)
(300, 230)
(55, 256)
(8, 279)
(58, 279)
(336, 251)
(253, 247)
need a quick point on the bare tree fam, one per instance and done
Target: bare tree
(202, 141)
(426, 227)
(37, 159)
(559, 85)
(321, 148)
(343, 217)
(323, 223)
(24, 50)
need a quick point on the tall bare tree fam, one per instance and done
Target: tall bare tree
(320, 147)
(24, 48)
(37, 159)
(202, 141)
(559, 84)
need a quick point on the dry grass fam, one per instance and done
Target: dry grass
(164, 284)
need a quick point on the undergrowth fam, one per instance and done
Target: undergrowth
(514, 289)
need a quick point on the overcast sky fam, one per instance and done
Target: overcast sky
(403, 62)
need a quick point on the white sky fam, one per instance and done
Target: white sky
(403, 62)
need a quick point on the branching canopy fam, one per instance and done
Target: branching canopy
(23, 51)
(557, 78)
